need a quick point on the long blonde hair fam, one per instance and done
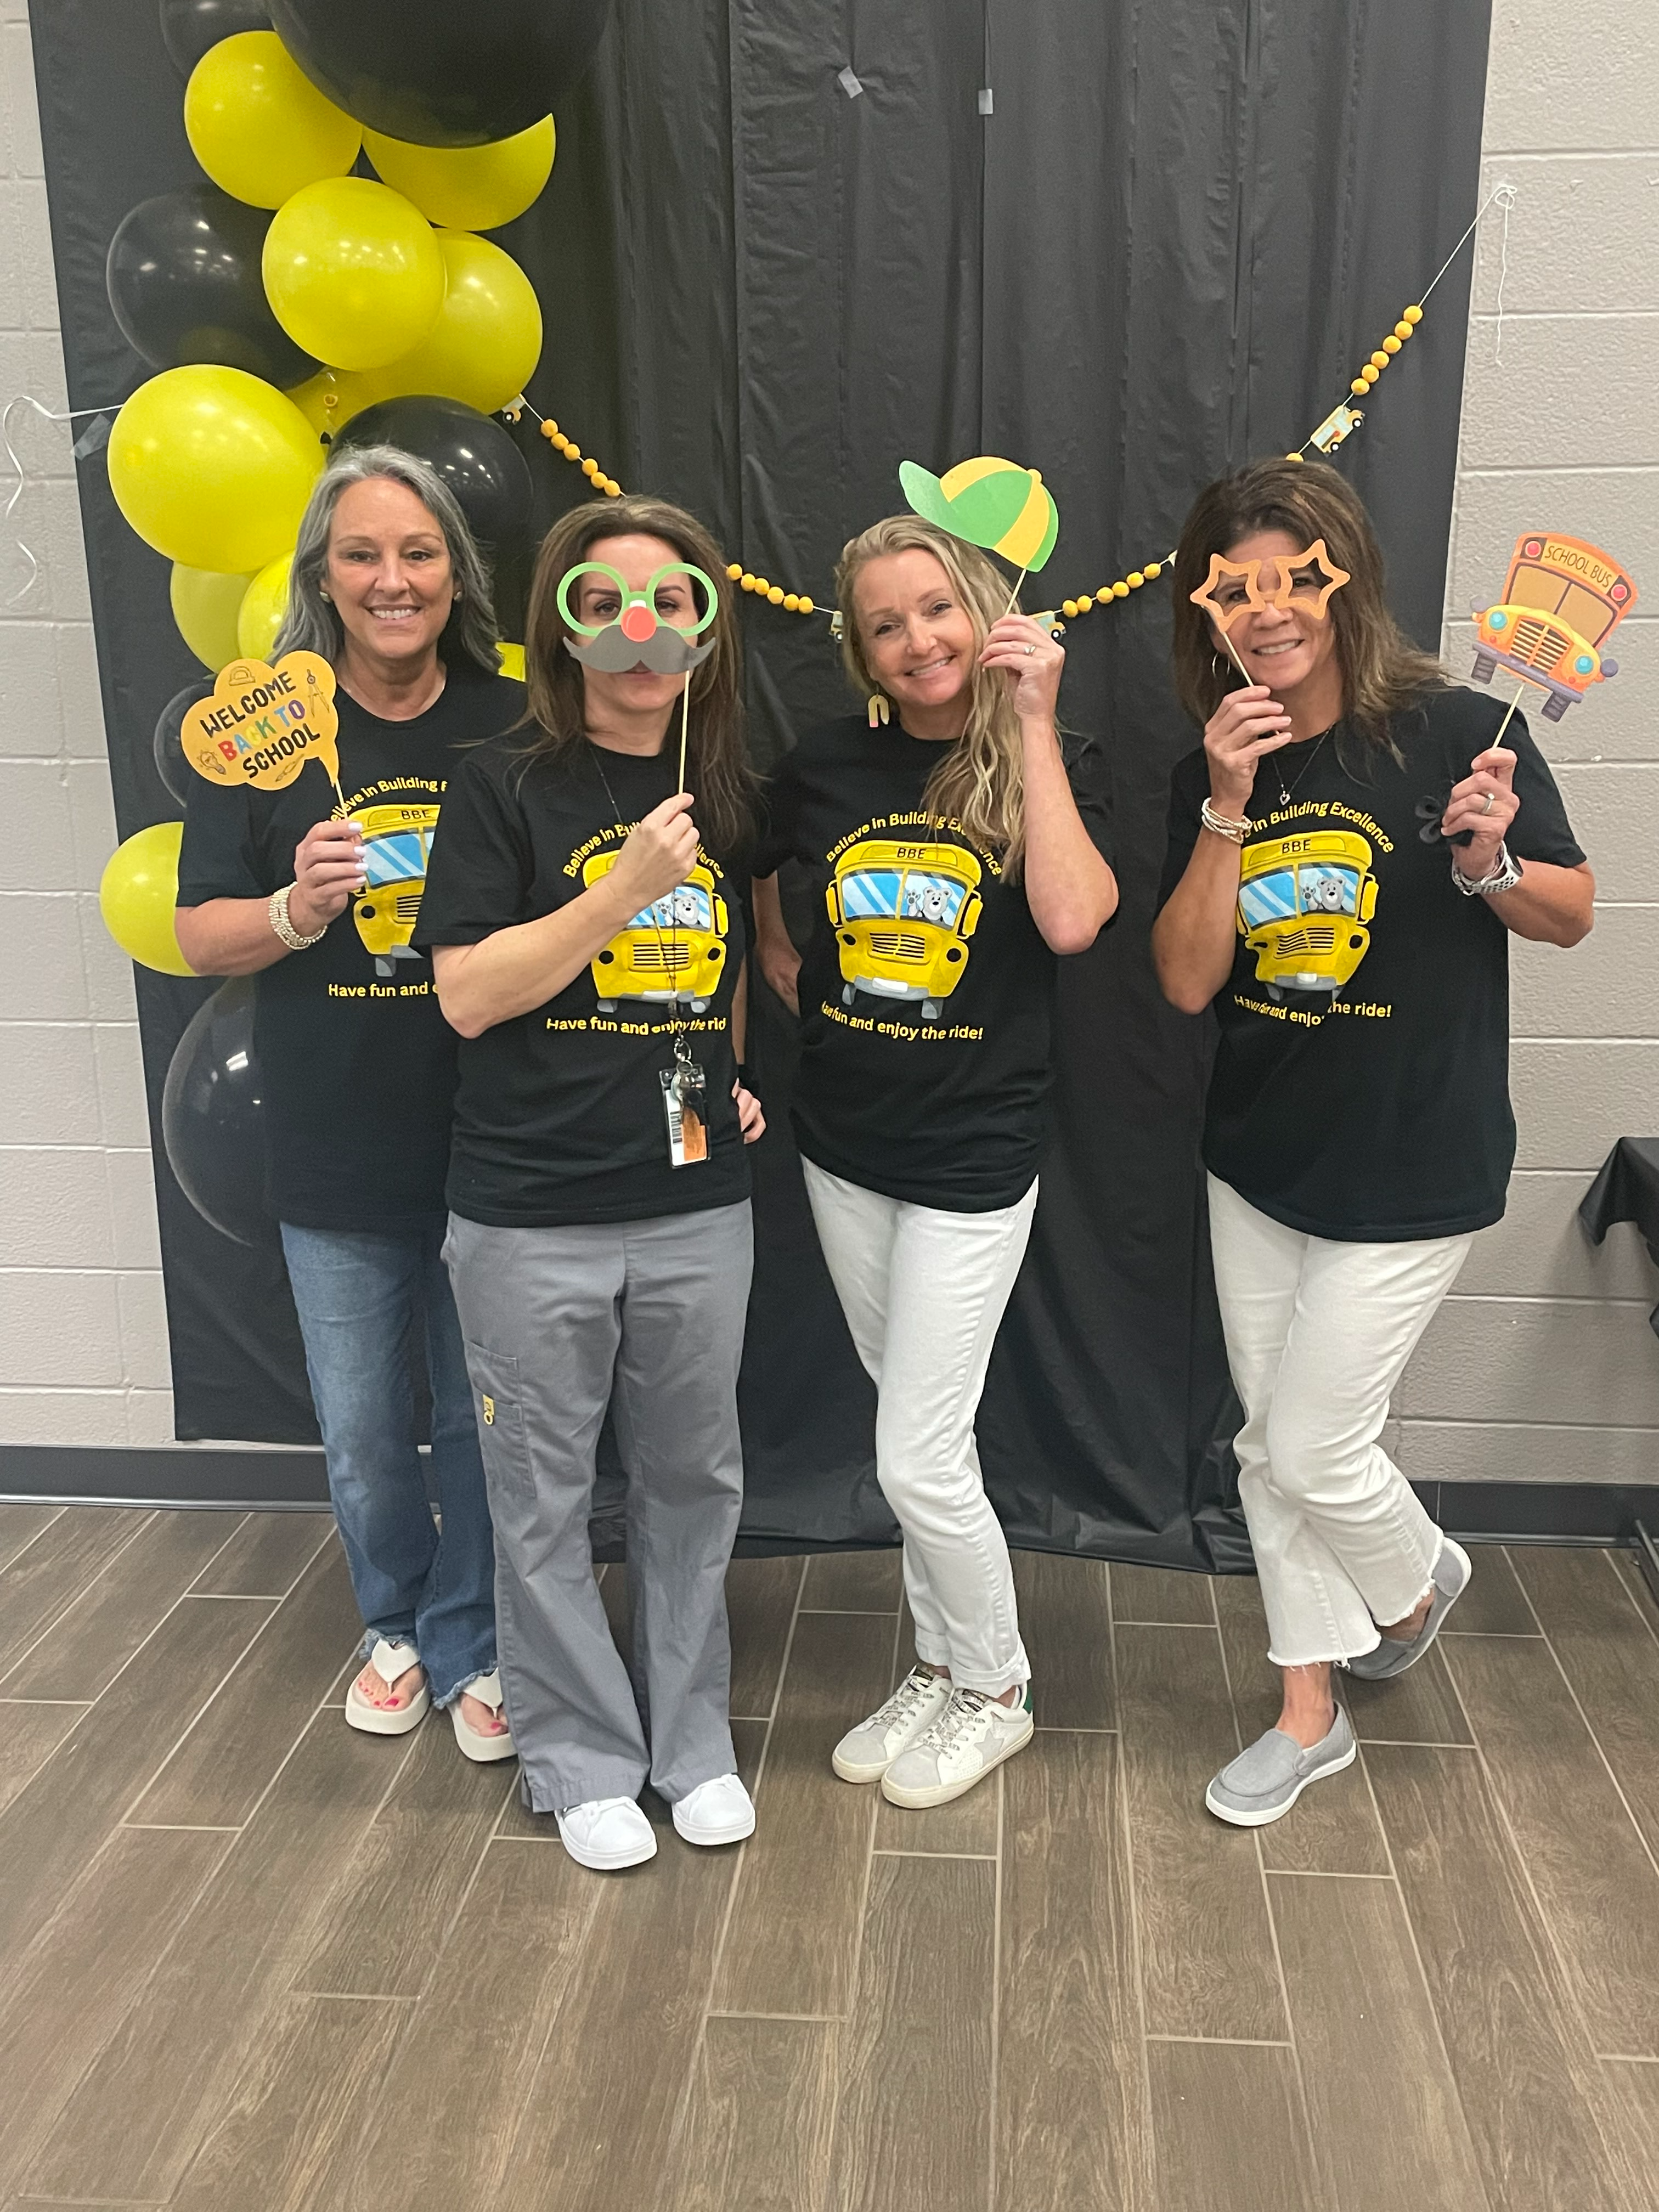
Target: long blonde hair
(979, 782)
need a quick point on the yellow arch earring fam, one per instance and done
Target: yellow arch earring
(878, 709)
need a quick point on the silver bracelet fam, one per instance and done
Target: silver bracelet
(1223, 825)
(1503, 876)
(278, 911)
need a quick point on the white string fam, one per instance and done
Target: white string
(1504, 195)
(1497, 193)
(16, 467)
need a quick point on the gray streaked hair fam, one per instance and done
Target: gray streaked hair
(311, 623)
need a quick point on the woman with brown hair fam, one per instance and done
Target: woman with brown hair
(954, 849)
(1350, 849)
(585, 924)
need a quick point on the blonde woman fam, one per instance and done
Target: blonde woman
(954, 850)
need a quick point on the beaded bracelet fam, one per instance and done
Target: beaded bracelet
(276, 912)
(1223, 825)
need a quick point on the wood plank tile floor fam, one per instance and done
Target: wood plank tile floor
(251, 1959)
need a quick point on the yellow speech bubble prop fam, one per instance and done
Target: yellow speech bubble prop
(263, 724)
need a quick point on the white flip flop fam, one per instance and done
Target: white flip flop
(389, 1661)
(483, 1748)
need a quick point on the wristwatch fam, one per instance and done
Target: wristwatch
(1503, 876)
(278, 911)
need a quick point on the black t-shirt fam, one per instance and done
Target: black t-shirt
(1361, 1084)
(559, 1117)
(926, 991)
(358, 1062)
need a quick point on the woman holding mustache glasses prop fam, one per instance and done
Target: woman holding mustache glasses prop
(588, 944)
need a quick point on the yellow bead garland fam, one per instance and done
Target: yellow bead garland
(571, 452)
(802, 602)
(1391, 345)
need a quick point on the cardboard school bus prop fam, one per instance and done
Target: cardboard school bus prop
(396, 841)
(903, 915)
(1562, 599)
(1304, 906)
(672, 949)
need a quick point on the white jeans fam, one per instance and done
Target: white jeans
(1318, 1334)
(923, 1292)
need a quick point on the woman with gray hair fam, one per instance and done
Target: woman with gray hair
(318, 899)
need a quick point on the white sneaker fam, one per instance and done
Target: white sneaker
(717, 1812)
(866, 1753)
(606, 1833)
(973, 1735)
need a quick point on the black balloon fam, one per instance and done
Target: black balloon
(174, 770)
(470, 452)
(440, 73)
(213, 1116)
(184, 281)
(188, 27)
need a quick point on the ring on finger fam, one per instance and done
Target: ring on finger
(1029, 650)
(1487, 809)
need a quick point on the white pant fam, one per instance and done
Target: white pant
(923, 1292)
(1318, 1334)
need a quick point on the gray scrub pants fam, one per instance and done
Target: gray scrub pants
(560, 1323)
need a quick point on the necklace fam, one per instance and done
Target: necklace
(1286, 792)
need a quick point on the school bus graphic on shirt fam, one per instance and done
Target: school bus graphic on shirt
(396, 841)
(1304, 904)
(672, 949)
(902, 916)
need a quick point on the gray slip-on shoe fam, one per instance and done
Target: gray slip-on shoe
(1263, 1782)
(1452, 1571)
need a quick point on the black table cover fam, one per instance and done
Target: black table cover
(1627, 1189)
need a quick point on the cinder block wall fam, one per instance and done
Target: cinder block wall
(84, 1346)
(1541, 1366)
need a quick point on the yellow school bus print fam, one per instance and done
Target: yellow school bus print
(396, 842)
(902, 916)
(1304, 904)
(1562, 598)
(673, 950)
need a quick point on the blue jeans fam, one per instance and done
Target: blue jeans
(360, 1295)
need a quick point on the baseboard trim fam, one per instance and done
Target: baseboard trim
(1542, 1513)
(241, 1482)
(275, 1481)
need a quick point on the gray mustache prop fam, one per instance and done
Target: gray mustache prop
(666, 651)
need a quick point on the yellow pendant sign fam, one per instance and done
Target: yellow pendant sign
(263, 724)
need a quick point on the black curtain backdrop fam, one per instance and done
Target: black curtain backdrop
(1164, 252)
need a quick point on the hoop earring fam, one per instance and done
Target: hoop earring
(878, 709)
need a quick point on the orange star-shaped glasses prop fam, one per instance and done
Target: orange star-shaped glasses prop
(1306, 580)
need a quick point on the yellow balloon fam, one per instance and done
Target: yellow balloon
(512, 661)
(487, 337)
(204, 606)
(137, 895)
(263, 611)
(213, 467)
(258, 127)
(351, 391)
(353, 273)
(468, 187)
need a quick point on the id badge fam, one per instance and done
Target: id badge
(686, 1103)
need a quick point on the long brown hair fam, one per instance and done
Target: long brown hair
(980, 780)
(1384, 673)
(717, 767)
